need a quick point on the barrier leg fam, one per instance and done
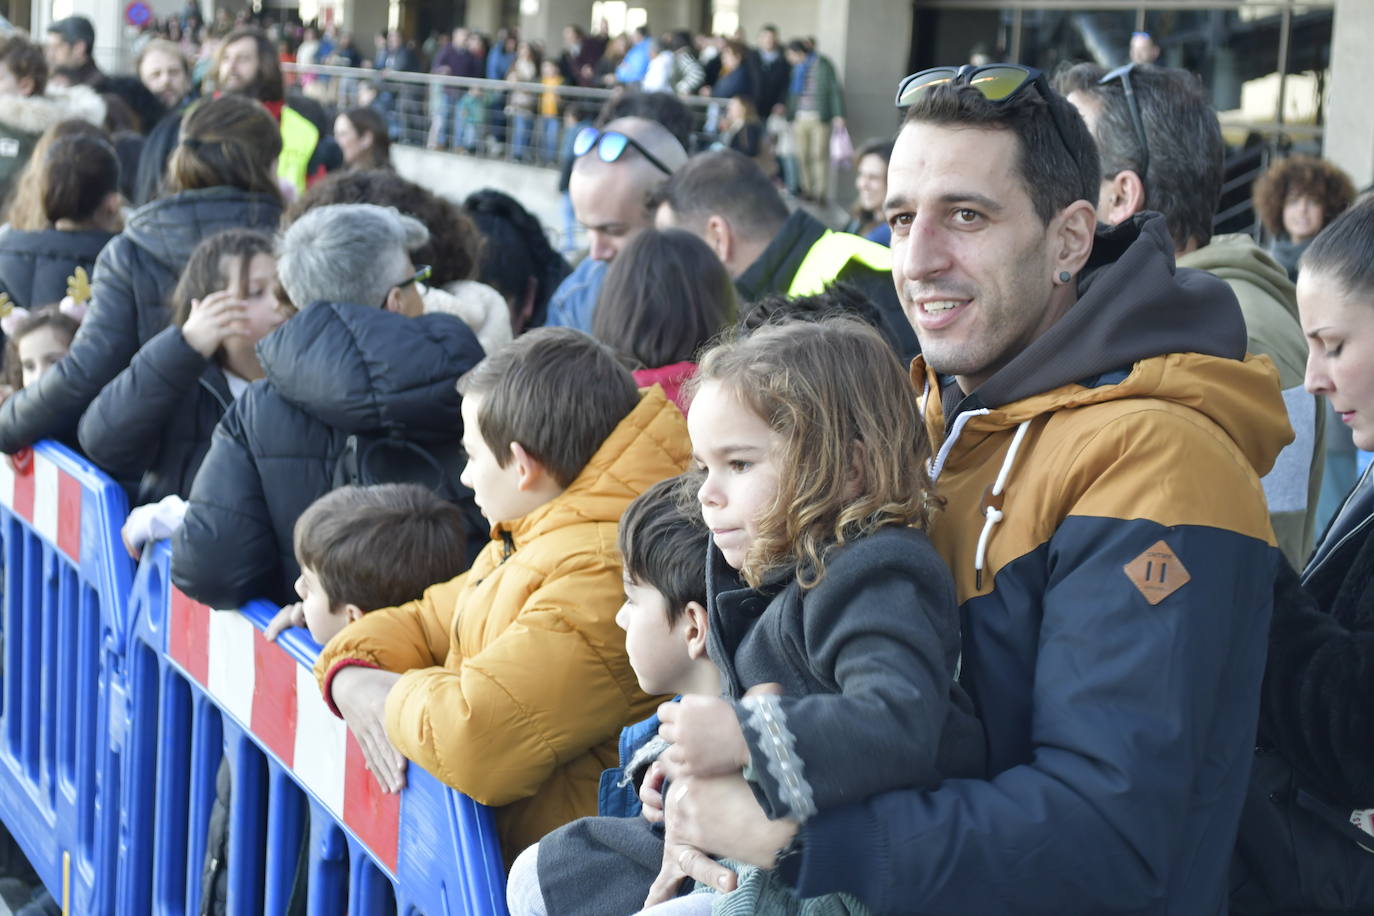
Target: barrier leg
(285, 834)
(140, 778)
(173, 793)
(207, 750)
(328, 865)
(247, 824)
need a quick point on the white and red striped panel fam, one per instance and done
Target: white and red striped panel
(49, 499)
(277, 699)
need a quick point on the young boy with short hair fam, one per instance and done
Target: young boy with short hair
(663, 544)
(511, 681)
(364, 548)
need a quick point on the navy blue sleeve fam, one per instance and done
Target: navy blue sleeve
(225, 553)
(1141, 714)
(122, 429)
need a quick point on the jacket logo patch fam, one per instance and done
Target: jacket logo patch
(1157, 572)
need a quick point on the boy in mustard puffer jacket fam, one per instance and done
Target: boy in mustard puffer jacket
(511, 682)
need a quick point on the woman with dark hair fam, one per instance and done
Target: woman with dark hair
(665, 296)
(518, 260)
(219, 177)
(362, 137)
(1294, 199)
(77, 183)
(870, 180)
(1308, 825)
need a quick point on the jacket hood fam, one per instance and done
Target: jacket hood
(365, 370)
(170, 228)
(478, 306)
(649, 445)
(1237, 257)
(1242, 397)
(34, 114)
(1132, 305)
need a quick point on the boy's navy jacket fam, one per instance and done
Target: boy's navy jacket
(332, 371)
(1114, 620)
(614, 799)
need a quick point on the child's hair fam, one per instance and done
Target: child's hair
(663, 544)
(839, 401)
(79, 173)
(382, 545)
(201, 277)
(47, 317)
(665, 296)
(26, 209)
(24, 60)
(557, 392)
(838, 300)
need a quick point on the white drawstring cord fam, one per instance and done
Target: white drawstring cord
(992, 512)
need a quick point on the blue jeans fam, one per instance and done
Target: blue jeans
(521, 124)
(548, 130)
(444, 108)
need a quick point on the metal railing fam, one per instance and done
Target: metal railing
(524, 122)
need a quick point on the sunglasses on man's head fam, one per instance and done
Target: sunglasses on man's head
(610, 145)
(996, 82)
(1124, 74)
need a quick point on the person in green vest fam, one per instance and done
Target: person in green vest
(247, 65)
(724, 198)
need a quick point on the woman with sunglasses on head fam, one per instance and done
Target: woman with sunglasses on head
(1305, 839)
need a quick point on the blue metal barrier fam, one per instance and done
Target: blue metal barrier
(66, 584)
(206, 685)
(120, 697)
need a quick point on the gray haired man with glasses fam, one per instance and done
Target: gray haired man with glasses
(1161, 149)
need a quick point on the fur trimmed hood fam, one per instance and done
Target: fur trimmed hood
(478, 305)
(34, 114)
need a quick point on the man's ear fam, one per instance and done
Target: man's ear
(1123, 197)
(721, 237)
(393, 301)
(696, 628)
(1072, 237)
(353, 613)
(530, 472)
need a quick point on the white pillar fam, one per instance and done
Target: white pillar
(1349, 138)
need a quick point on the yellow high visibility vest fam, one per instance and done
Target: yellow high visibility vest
(829, 256)
(298, 140)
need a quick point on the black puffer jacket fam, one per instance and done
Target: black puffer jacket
(34, 266)
(133, 277)
(1299, 849)
(332, 371)
(153, 423)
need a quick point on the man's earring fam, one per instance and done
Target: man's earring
(1065, 276)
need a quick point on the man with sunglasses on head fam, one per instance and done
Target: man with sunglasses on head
(1161, 149)
(1100, 441)
(615, 170)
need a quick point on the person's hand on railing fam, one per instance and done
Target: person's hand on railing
(360, 694)
(293, 615)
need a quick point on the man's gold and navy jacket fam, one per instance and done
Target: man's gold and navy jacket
(1114, 562)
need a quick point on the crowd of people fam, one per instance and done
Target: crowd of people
(969, 559)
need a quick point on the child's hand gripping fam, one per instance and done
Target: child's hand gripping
(708, 751)
(212, 320)
(293, 615)
(360, 695)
